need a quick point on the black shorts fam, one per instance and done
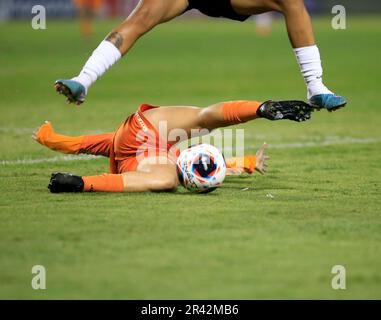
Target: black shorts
(216, 8)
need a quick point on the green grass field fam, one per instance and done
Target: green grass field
(235, 243)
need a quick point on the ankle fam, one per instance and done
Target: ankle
(84, 79)
(317, 87)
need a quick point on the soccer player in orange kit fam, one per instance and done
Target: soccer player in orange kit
(87, 9)
(142, 158)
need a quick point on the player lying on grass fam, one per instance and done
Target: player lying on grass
(142, 160)
(150, 13)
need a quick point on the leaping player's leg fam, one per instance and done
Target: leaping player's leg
(147, 14)
(301, 36)
(96, 144)
(302, 39)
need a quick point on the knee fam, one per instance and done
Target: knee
(165, 183)
(145, 17)
(171, 184)
(206, 115)
(289, 5)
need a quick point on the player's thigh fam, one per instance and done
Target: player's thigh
(255, 6)
(158, 173)
(174, 9)
(154, 12)
(177, 122)
(159, 163)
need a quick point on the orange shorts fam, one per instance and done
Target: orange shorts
(137, 139)
(94, 4)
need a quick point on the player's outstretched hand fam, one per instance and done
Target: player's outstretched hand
(261, 159)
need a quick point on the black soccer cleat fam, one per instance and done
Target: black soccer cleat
(289, 109)
(65, 182)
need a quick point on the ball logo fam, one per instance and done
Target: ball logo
(201, 168)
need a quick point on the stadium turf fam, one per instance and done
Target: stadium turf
(274, 236)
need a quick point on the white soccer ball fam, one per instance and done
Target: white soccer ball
(201, 168)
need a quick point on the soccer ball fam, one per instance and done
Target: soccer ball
(201, 168)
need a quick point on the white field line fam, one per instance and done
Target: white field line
(85, 157)
(339, 141)
(311, 144)
(296, 145)
(20, 131)
(29, 131)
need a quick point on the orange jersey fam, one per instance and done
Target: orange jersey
(135, 140)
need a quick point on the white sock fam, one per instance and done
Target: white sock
(310, 66)
(103, 57)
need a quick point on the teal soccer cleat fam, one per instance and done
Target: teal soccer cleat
(329, 101)
(73, 90)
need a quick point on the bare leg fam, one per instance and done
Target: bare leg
(188, 118)
(298, 21)
(147, 14)
(301, 35)
(152, 178)
(159, 177)
(223, 114)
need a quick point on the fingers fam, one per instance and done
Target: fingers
(35, 133)
(261, 170)
(234, 171)
(264, 147)
(261, 159)
(261, 151)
